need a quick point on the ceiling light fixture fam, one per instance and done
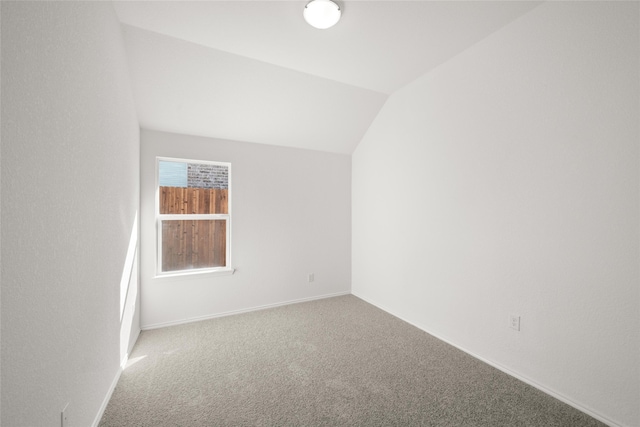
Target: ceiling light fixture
(321, 14)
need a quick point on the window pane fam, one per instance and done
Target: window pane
(193, 188)
(193, 244)
(177, 200)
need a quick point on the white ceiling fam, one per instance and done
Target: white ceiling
(255, 71)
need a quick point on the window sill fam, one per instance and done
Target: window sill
(227, 271)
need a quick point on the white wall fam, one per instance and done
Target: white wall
(70, 156)
(291, 213)
(511, 186)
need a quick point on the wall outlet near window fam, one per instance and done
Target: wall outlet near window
(514, 322)
(311, 277)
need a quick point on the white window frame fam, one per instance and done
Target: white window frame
(159, 218)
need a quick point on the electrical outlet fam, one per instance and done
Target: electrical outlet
(64, 417)
(514, 322)
(311, 277)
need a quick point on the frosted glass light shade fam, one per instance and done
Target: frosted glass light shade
(321, 14)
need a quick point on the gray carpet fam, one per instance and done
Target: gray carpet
(333, 362)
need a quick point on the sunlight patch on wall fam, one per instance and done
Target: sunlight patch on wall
(128, 265)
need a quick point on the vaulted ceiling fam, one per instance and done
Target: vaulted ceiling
(256, 71)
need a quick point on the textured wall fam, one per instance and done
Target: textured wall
(70, 153)
(511, 186)
(291, 216)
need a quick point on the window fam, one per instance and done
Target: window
(193, 207)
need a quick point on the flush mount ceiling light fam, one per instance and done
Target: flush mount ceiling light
(321, 14)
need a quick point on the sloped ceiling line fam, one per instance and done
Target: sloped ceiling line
(255, 71)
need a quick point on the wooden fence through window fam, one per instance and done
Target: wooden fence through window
(180, 200)
(188, 244)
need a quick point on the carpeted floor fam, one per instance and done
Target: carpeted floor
(332, 362)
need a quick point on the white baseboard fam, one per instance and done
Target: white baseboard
(244, 310)
(507, 371)
(105, 402)
(112, 387)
